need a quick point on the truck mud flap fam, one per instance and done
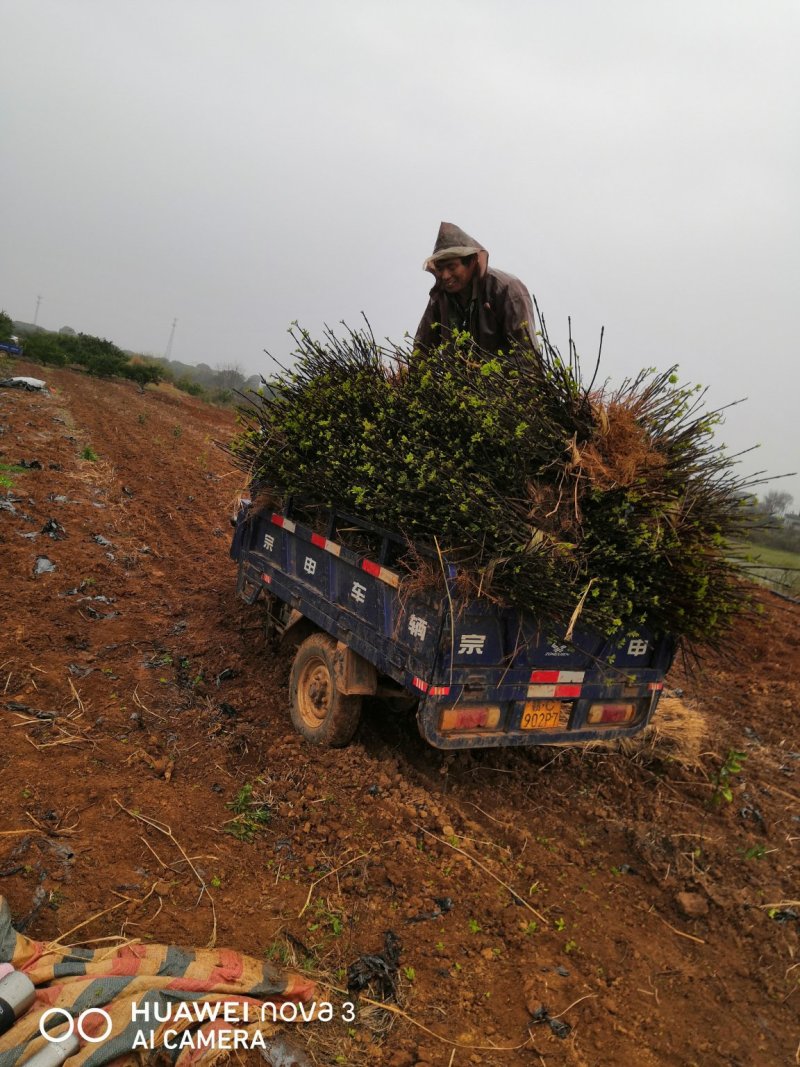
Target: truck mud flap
(248, 584)
(354, 675)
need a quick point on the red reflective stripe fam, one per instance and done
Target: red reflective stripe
(567, 691)
(266, 578)
(317, 540)
(544, 676)
(431, 690)
(281, 520)
(371, 568)
(655, 687)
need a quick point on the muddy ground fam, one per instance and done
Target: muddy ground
(662, 927)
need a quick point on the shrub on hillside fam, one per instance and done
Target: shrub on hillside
(45, 348)
(187, 386)
(101, 358)
(223, 397)
(143, 373)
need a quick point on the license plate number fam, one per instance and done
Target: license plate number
(541, 715)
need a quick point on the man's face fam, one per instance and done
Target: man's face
(454, 275)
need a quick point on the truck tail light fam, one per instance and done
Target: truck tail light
(602, 713)
(470, 717)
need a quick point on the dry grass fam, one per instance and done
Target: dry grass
(678, 733)
(265, 502)
(621, 452)
(355, 1043)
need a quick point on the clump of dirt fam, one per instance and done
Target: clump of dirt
(144, 724)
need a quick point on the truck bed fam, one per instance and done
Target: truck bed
(485, 675)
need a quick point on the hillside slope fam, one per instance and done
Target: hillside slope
(133, 679)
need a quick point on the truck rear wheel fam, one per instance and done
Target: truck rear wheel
(319, 711)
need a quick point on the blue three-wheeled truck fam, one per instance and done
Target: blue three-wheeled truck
(480, 675)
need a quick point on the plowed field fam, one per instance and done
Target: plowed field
(660, 926)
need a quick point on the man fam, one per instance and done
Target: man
(494, 307)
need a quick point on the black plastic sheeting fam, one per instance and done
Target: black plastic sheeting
(377, 973)
(559, 1028)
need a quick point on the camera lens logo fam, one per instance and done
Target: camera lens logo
(74, 1024)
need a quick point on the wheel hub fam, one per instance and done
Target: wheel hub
(314, 692)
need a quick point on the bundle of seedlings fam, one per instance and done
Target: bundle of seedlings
(566, 500)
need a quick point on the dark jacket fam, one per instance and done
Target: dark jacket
(501, 312)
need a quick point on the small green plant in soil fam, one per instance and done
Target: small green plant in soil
(723, 778)
(251, 815)
(278, 952)
(326, 920)
(89, 454)
(8, 472)
(755, 852)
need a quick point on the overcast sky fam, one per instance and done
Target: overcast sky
(238, 165)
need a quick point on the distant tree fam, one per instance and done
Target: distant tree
(143, 374)
(46, 348)
(68, 330)
(27, 329)
(6, 326)
(70, 345)
(229, 376)
(776, 502)
(186, 385)
(100, 357)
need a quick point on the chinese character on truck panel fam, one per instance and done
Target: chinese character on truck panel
(472, 643)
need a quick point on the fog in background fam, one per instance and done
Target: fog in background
(245, 164)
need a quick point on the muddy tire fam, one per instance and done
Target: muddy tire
(319, 711)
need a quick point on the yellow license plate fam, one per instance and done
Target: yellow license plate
(541, 715)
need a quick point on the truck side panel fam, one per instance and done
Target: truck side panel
(490, 676)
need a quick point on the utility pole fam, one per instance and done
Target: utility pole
(36, 313)
(168, 352)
